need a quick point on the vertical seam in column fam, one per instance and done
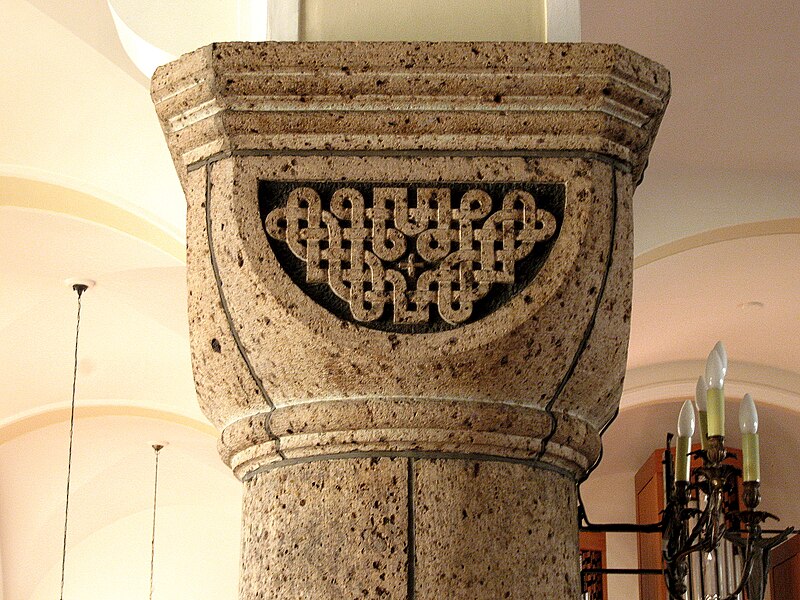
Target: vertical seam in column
(229, 318)
(411, 543)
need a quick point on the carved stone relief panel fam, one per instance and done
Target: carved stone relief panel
(411, 258)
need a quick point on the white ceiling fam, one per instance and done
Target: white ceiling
(111, 503)
(717, 225)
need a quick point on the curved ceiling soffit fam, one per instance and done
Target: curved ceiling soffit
(657, 383)
(150, 38)
(28, 422)
(146, 56)
(38, 195)
(652, 384)
(714, 236)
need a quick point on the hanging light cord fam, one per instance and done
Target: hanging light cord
(79, 289)
(157, 448)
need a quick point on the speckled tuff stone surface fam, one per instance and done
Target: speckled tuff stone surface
(232, 97)
(493, 530)
(409, 271)
(326, 530)
(326, 385)
(409, 528)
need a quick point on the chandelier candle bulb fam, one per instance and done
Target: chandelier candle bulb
(702, 410)
(748, 425)
(719, 348)
(683, 458)
(715, 396)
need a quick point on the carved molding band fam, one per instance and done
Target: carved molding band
(411, 249)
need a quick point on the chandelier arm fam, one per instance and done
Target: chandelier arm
(701, 545)
(747, 571)
(713, 522)
(673, 595)
(696, 531)
(674, 576)
(694, 535)
(686, 552)
(716, 529)
(718, 532)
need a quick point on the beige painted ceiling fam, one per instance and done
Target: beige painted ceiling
(87, 189)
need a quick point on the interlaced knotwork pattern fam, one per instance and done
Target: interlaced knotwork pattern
(434, 252)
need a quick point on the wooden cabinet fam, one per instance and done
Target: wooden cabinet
(650, 500)
(784, 576)
(594, 586)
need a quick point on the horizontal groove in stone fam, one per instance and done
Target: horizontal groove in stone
(418, 455)
(498, 102)
(388, 153)
(465, 427)
(534, 146)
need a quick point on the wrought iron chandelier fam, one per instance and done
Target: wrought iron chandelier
(697, 522)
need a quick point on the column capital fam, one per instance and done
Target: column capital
(410, 247)
(240, 97)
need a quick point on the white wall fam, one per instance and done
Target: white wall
(611, 499)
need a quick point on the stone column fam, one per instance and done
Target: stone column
(409, 293)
